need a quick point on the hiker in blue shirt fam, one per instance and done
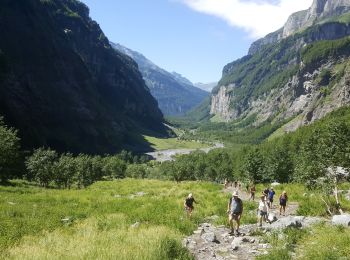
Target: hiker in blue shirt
(270, 197)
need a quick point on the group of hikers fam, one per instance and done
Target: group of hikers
(235, 206)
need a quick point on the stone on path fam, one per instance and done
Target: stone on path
(210, 237)
(343, 220)
(272, 217)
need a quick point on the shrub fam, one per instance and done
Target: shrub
(41, 166)
(9, 151)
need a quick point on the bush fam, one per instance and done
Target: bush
(9, 151)
(41, 166)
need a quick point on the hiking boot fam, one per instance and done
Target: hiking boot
(231, 233)
(237, 233)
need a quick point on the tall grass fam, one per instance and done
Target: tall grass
(45, 223)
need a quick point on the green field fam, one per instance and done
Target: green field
(97, 222)
(173, 143)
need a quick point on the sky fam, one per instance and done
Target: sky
(195, 38)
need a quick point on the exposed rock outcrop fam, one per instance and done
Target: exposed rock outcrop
(284, 77)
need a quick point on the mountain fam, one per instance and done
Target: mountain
(206, 86)
(63, 85)
(295, 75)
(175, 94)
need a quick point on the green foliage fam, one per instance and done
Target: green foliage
(9, 151)
(40, 166)
(136, 171)
(65, 169)
(315, 53)
(99, 219)
(114, 167)
(325, 242)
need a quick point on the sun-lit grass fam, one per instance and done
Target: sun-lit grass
(96, 222)
(173, 143)
(40, 223)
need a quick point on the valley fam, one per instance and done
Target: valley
(100, 147)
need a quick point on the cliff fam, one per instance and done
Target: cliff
(62, 84)
(296, 79)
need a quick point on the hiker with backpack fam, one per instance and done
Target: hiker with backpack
(235, 211)
(283, 202)
(189, 204)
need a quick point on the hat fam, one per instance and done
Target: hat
(190, 195)
(284, 192)
(262, 196)
(235, 194)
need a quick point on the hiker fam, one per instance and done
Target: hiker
(235, 184)
(189, 204)
(270, 197)
(235, 210)
(266, 192)
(263, 210)
(252, 192)
(283, 202)
(225, 183)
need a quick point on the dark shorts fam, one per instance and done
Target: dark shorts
(271, 200)
(189, 207)
(263, 213)
(283, 203)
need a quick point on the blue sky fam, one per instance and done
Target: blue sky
(195, 38)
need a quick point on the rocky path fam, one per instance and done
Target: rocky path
(214, 242)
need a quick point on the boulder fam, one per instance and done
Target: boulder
(272, 217)
(289, 221)
(343, 220)
(210, 237)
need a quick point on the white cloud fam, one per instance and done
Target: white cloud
(257, 17)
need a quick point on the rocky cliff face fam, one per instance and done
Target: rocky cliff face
(319, 11)
(296, 79)
(62, 84)
(175, 94)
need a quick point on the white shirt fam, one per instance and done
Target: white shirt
(263, 206)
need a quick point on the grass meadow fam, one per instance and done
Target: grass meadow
(173, 143)
(98, 222)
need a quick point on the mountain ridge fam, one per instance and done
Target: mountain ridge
(175, 94)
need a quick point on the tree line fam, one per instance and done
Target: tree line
(302, 156)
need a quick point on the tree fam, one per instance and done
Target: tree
(327, 150)
(253, 166)
(9, 151)
(136, 171)
(65, 169)
(114, 167)
(41, 165)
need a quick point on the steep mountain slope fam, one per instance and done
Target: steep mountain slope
(62, 84)
(299, 73)
(175, 94)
